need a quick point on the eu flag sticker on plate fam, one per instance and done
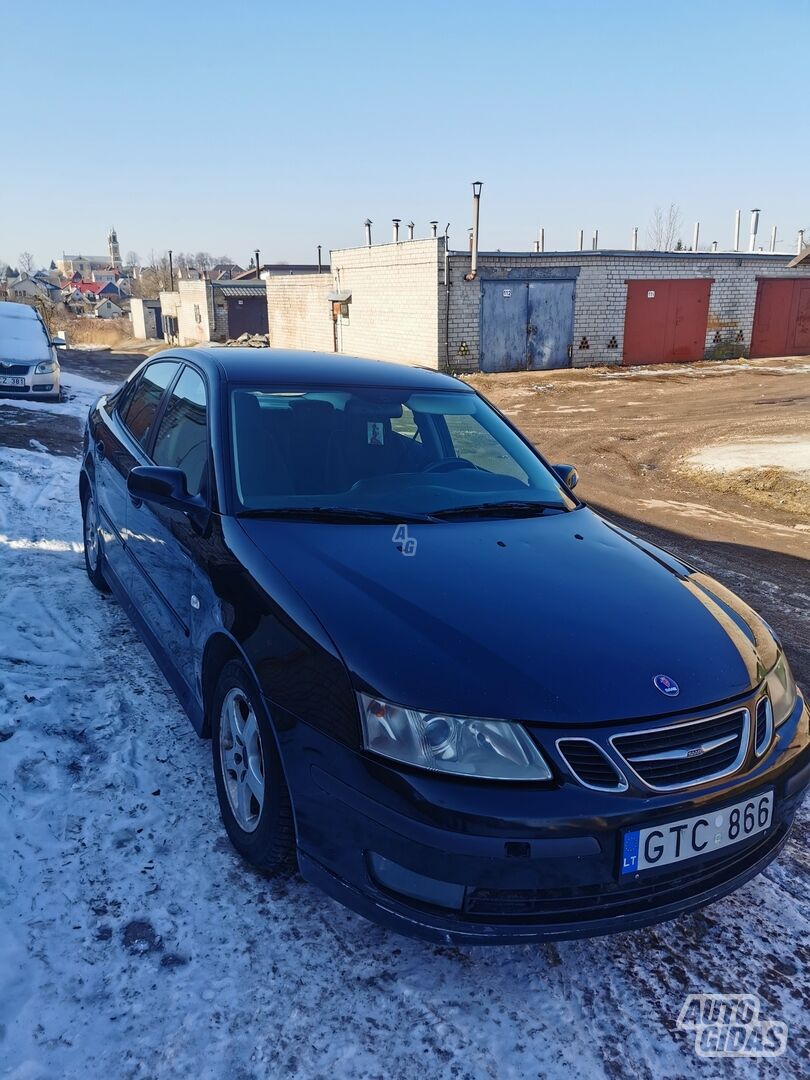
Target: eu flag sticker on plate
(630, 852)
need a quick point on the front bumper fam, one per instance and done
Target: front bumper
(489, 863)
(32, 385)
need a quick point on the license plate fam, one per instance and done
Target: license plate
(11, 380)
(661, 845)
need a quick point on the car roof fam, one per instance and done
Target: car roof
(289, 367)
(10, 310)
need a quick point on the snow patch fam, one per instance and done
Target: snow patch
(789, 452)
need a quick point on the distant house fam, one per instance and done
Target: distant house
(108, 309)
(79, 303)
(26, 290)
(225, 272)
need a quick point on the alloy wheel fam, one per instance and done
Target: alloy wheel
(240, 748)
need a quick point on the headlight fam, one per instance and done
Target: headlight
(463, 746)
(45, 367)
(781, 690)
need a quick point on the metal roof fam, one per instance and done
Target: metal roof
(255, 288)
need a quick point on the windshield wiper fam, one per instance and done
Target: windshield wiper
(335, 514)
(512, 508)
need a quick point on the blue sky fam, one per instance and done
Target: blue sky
(224, 126)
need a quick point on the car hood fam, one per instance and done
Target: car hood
(562, 619)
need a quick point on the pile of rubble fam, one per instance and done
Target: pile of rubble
(251, 341)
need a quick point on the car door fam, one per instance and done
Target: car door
(118, 447)
(161, 539)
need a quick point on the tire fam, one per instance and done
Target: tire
(93, 553)
(253, 796)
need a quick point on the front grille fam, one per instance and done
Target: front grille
(590, 765)
(764, 728)
(584, 902)
(14, 369)
(682, 755)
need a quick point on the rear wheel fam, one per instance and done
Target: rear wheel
(253, 797)
(93, 555)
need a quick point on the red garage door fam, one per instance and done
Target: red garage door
(665, 321)
(782, 318)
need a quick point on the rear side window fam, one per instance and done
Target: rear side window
(182, 438)
(141, 407)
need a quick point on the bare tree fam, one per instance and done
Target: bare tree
(132, 258)
(203, 260)
(4, 268)
(154, 279)
(664, 227)
(26, 261)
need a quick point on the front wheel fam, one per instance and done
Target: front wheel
(93, 555)
(253, 797)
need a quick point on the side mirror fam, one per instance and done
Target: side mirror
(166, 487)
(568, 474)
(59, 343)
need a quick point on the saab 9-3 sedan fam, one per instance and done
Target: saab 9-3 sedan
(471, 708)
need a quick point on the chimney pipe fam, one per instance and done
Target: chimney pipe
(714, 245)
(773, 238)
(696, 238)
(434, 225)
(581, 240)
(800, 243)
(542, 239)
(368, 223)
(737, 231)
(536, 247)
(634, 242)
(470, 238)
(320, 264)
(752, 239)
(256, 253)
(595, 240)
(411, 227)
(477, 185)
(395, 229)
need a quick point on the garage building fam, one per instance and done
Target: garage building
(411, 301)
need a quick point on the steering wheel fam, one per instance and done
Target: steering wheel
(448, 463)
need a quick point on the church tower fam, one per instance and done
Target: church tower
(115, 251)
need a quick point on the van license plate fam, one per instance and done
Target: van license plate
(660, 845)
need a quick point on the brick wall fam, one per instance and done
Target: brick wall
(195, 312)
(299, 313)
(394, 310)
(601, 297)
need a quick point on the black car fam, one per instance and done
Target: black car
(473, 709)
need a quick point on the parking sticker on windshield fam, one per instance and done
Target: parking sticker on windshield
(376, 433)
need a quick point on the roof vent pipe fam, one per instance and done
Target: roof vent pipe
(320, 263)
(434, 225)
(696, 239)
(368, 223)
(714, 245)
(470, 238)
(752, 239)
(536, 246)
(737, 231)
(411, 227)
(773, 238)
(542, 239)
(634, 241)
(595, 240)
(581, 240)
(395, 222)
(477, 185)
(800, 242)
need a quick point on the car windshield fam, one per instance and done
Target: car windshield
(385, 452)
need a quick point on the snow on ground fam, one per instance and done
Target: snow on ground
(134, 943)
(789, 452)
(78, 394)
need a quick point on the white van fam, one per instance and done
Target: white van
(28, 364)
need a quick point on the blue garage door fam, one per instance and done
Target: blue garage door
(526, 324)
